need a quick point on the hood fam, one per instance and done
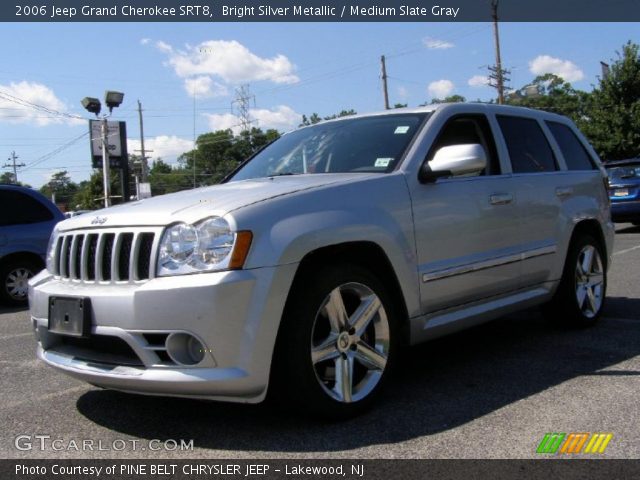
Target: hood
(193, 205)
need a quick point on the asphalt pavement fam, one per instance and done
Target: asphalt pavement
(489, 392)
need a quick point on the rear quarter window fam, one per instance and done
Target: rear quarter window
(573, 151)
(527, 144)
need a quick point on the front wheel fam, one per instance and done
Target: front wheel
(582, 290)
(337, 342)
(15, 276)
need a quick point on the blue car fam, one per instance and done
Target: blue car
(624, 190)
(27, 219)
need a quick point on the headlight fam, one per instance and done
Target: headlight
(51, 251)
(207, 246)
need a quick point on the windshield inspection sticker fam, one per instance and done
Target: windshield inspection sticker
(402, 129)
(383, 162)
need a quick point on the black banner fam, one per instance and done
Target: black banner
(317, 11)
(313, 469)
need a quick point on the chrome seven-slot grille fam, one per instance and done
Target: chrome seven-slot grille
(105, 256)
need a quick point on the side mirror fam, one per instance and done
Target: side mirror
(453, 160)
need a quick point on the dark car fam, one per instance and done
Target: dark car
(624, 190)
(26, 221)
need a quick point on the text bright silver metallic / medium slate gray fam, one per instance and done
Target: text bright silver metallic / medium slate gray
(307, 270)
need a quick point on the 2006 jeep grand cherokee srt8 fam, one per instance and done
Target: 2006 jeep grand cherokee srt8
(314, 262)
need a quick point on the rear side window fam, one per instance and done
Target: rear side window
(575, 155)
(528, 147)
(19, 208)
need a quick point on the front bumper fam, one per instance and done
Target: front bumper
(235, 315)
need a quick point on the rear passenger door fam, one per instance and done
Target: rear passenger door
(466, 227)
(540, 190)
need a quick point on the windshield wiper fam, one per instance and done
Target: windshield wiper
(282, 174)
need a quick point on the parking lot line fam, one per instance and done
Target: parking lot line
(627, 250)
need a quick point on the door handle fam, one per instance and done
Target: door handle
(564, 191)
(500, 199)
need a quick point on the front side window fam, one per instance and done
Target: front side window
(469, 129)
(369, 144)
(528, 147)
(574, 153)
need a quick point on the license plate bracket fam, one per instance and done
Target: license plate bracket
(70, 316)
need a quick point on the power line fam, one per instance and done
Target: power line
(55, 152)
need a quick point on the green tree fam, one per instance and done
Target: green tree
(165, 179)
(400, 105)
(551, 93)
(61, 185)
(218, 153)
(612, 122)
(449, 99)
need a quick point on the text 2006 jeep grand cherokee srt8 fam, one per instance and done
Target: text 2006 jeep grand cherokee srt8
(308, 269)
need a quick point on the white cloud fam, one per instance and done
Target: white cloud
(34, 93)
(440, 88)
(167, 147)
(478, 81)
(281, 118)
(228, 60)
(203, 86)
(144, 41)
(565, 69)
(164, 47)
(403, 92)
(223, 121)
(435, 44)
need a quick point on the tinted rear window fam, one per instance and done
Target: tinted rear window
(19, 208)
(575, 155)
(528, 147)
(625, 172)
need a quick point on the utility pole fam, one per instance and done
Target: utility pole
(384, 82)
(106, 164)
(145, 167)
(498, 74)
(14, 165)
(195, 145)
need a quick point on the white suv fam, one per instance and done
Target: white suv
(319, 258)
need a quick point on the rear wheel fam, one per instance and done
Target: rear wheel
(337, 342)
(582, 290)
(15, 276)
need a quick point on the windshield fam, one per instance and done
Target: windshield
(369, 144)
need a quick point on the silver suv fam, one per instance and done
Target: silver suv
(321, 257)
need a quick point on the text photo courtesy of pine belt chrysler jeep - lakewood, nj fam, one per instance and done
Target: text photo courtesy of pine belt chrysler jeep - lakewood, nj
(305, 273)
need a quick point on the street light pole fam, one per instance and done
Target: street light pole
(104, 129)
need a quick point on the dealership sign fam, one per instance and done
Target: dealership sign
(116, 143)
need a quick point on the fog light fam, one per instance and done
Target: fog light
(185, 349)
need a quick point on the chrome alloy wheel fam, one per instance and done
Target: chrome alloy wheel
(589, 281)
(350, 342)
(17, 283)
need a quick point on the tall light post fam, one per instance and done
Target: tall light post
(112, 99)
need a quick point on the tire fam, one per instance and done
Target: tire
(13, 277)
(332, 364)
(580, 297)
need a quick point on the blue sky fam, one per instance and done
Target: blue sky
(292, 69)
